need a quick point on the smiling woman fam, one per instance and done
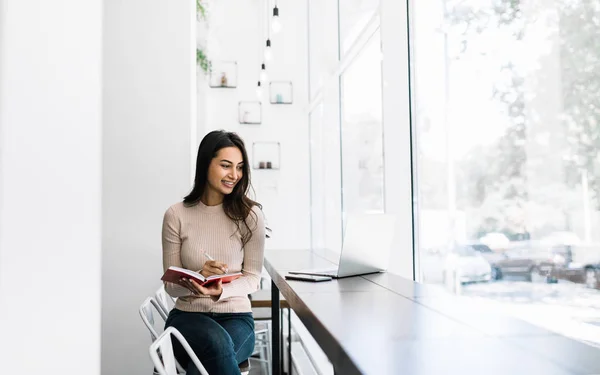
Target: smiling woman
(216, 229)
(224, 172)
(223, 176)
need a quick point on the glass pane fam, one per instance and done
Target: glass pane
(317, 181)
(354, 16)
(507, 126)
(325, 182)
(362, 132)
(323, 41)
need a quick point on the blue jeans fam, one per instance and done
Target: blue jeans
(220, 340)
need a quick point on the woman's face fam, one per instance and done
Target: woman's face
(225, 170)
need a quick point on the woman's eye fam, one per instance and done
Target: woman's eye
(224, 166)
(240, 168)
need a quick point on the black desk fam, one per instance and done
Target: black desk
(385, 324)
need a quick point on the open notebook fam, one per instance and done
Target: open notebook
(175, 274)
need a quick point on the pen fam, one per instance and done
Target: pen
(211, 258)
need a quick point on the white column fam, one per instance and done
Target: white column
(149, 126)
(50, 186)
(397, 132)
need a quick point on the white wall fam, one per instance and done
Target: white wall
(285, 194)
(50, 181)
(149, 105)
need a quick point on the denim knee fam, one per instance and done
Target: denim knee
(218, 344)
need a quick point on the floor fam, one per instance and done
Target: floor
(258, 368)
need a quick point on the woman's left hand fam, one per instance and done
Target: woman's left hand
(213, 289)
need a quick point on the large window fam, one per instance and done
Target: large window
(325, 181)
(362, 132)
(507, 125)
(323, 42)
(354, 16)
(346, 147)
(317, 176)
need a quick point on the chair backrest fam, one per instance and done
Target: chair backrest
(165, 301)
(161, 352)
(148, 316)
(155, 327)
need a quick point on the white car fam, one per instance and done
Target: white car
(496, 241)
(463, 264)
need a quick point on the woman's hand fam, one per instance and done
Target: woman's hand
(213, 289)
(213, 267)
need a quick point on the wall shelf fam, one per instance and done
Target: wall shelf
(223, 75)
(250, 112)
(281, 92)
(266, 155)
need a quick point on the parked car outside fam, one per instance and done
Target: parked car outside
(463, 264)
(529, 260)
(578, 264)
(491, 256)
(495, 240)
(431, 265)
(592, 276)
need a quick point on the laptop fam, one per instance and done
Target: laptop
(366, 249)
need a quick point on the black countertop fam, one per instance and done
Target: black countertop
(386, 324)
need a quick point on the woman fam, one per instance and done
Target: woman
(216, 229)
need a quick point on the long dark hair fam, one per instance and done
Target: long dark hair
(237, 205)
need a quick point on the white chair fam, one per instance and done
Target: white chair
(147, 315)
(262, 345)
(161, 352)
(165, 301)
(148, 319)
(262, 331)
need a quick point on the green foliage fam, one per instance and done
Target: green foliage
(580, 78)
(499, 187)
(203, 61)
(494, 188)
(200, 9)
(201, 58)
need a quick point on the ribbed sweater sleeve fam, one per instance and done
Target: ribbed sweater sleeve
(171, 244)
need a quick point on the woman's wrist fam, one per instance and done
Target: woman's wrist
(217, 296)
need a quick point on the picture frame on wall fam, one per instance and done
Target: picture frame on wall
(250, 112)
(281, 92)
(223, 74)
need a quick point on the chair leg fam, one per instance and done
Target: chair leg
(264, 353)
(269, 356)
(264, 347)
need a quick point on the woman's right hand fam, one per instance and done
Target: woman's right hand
(213, 267)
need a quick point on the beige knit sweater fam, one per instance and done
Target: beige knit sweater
(190, 232)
